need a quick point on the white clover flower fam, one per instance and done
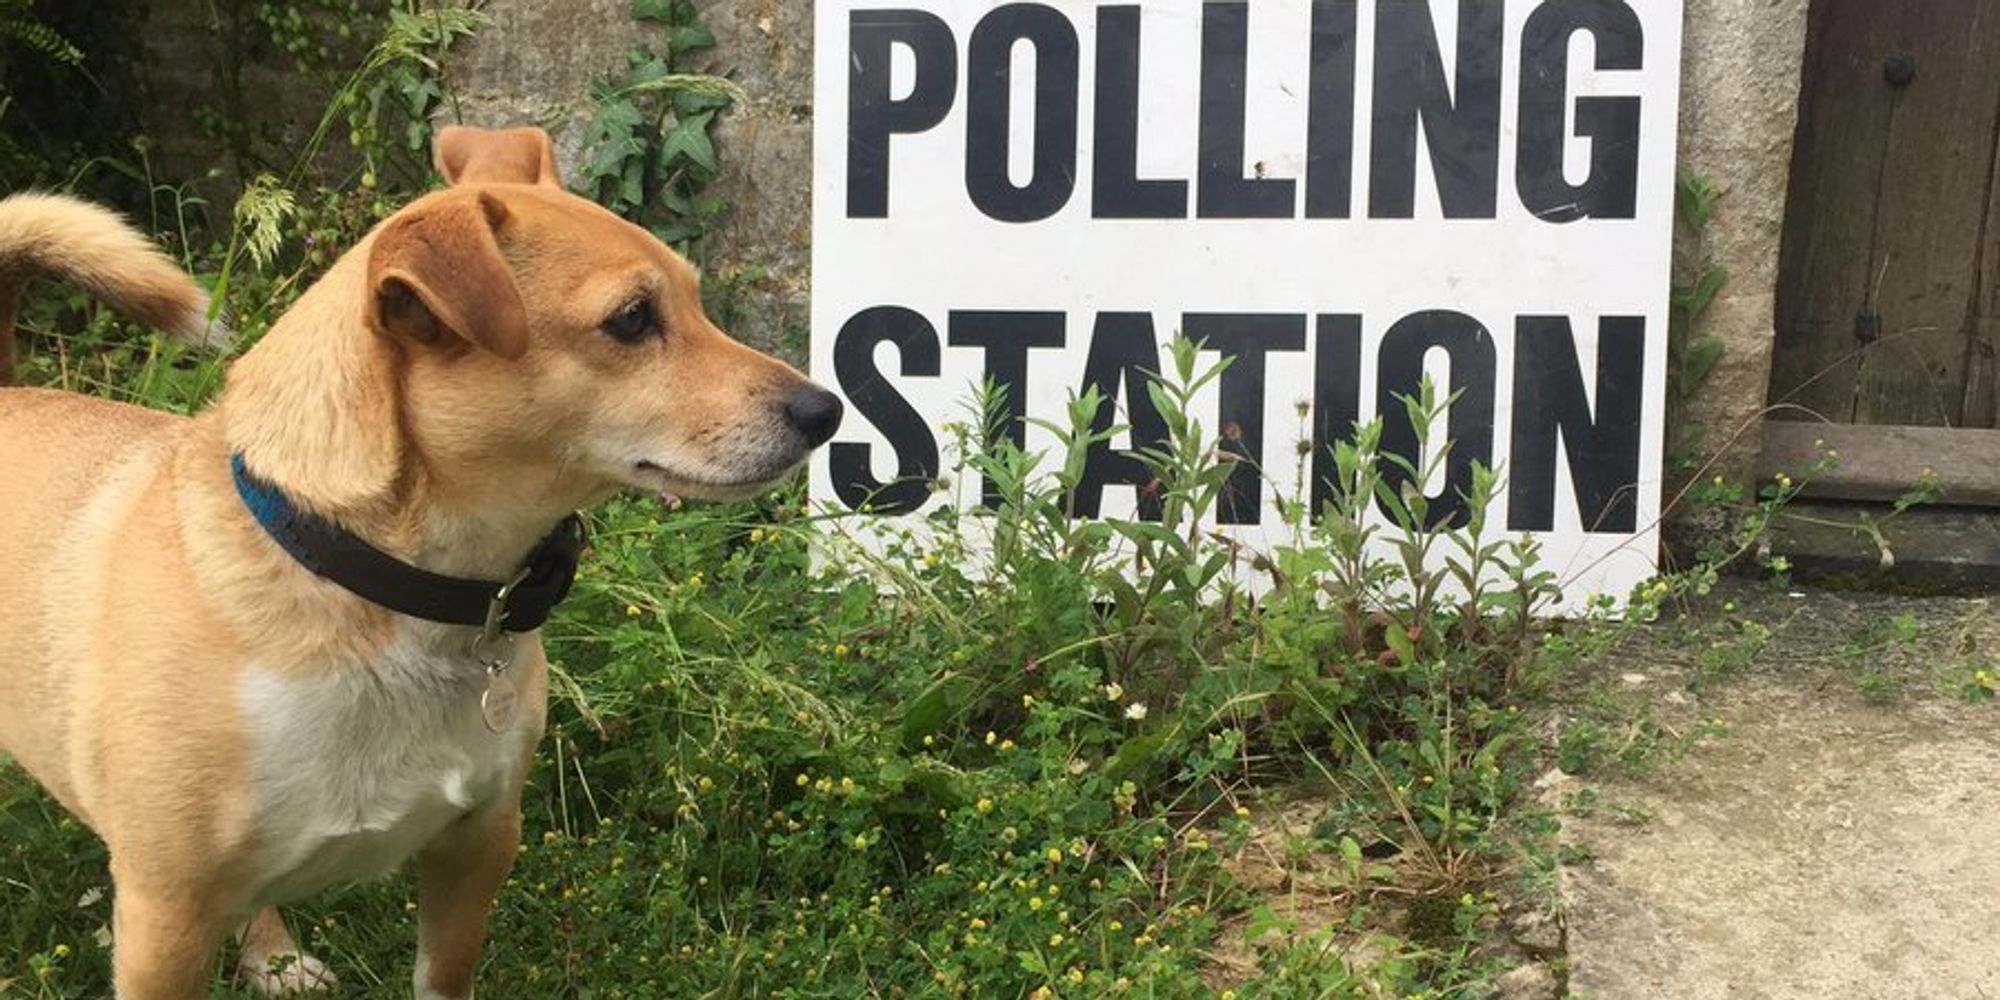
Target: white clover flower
(1135, 711)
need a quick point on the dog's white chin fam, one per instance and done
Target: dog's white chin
(655, 478)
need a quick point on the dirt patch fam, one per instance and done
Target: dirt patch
(1303, 886)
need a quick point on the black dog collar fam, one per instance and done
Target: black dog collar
(337, 556)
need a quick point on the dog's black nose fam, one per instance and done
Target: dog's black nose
(815, 412)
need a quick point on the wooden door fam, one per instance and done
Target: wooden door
(1889, 287)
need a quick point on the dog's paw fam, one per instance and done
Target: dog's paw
(288, 975)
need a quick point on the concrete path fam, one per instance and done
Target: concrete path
(1837, 839)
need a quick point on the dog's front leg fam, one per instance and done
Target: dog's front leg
(163, 944)
(458, 876)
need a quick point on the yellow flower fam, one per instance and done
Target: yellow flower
(992, 737)
(1055, 856)
(1034, 903)
(1242, 812)
(1116, 926)
(840, 650)
(631, 611)
(803, 779)
(984, 806)
(1006, 745)
(847, 784)
(1055, 940)
(1114, 692)
(61, 951)
(977, 924)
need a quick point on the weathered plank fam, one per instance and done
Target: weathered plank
(1880, 464)
(1887, 217)
(1982, 345)
(1823, 258)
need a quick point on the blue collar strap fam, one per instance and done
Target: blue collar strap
(339, 557)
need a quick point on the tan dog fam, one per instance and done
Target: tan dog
(242, 731)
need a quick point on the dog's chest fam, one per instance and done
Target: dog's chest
(359, 768)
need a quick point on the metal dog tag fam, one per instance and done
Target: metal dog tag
(497, 704)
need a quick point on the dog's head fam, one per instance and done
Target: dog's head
(511, 329)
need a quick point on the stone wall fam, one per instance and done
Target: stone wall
(1742, 69)
(186, 43)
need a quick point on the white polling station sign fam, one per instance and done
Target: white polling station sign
(1344, 195)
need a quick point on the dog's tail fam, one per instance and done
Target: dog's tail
(61, 237)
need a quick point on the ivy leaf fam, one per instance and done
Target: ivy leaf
(661, 11)
(692, 38)
(642, 66)
(689, 138)
(1702, 355)
(675, 201)
(632, 190)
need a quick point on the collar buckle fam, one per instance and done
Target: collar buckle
(494, 647)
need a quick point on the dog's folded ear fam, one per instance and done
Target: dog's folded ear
(467, 155)
(436, 272)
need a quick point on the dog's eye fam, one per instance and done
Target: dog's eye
(633, 322)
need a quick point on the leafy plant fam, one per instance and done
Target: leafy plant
(1692, 353)
(649, 151)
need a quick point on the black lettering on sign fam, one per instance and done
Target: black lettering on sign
(1117, 190)
(1336, 399)
(1330, 111)
(1225, 193)
(873, 114)
(1461, 124)
(989, 112)
(1611, 123)
(1247, 338)
(1007, 337)
(1549, 402)
(1469, 425)
(1123, 350)
(876, 399)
